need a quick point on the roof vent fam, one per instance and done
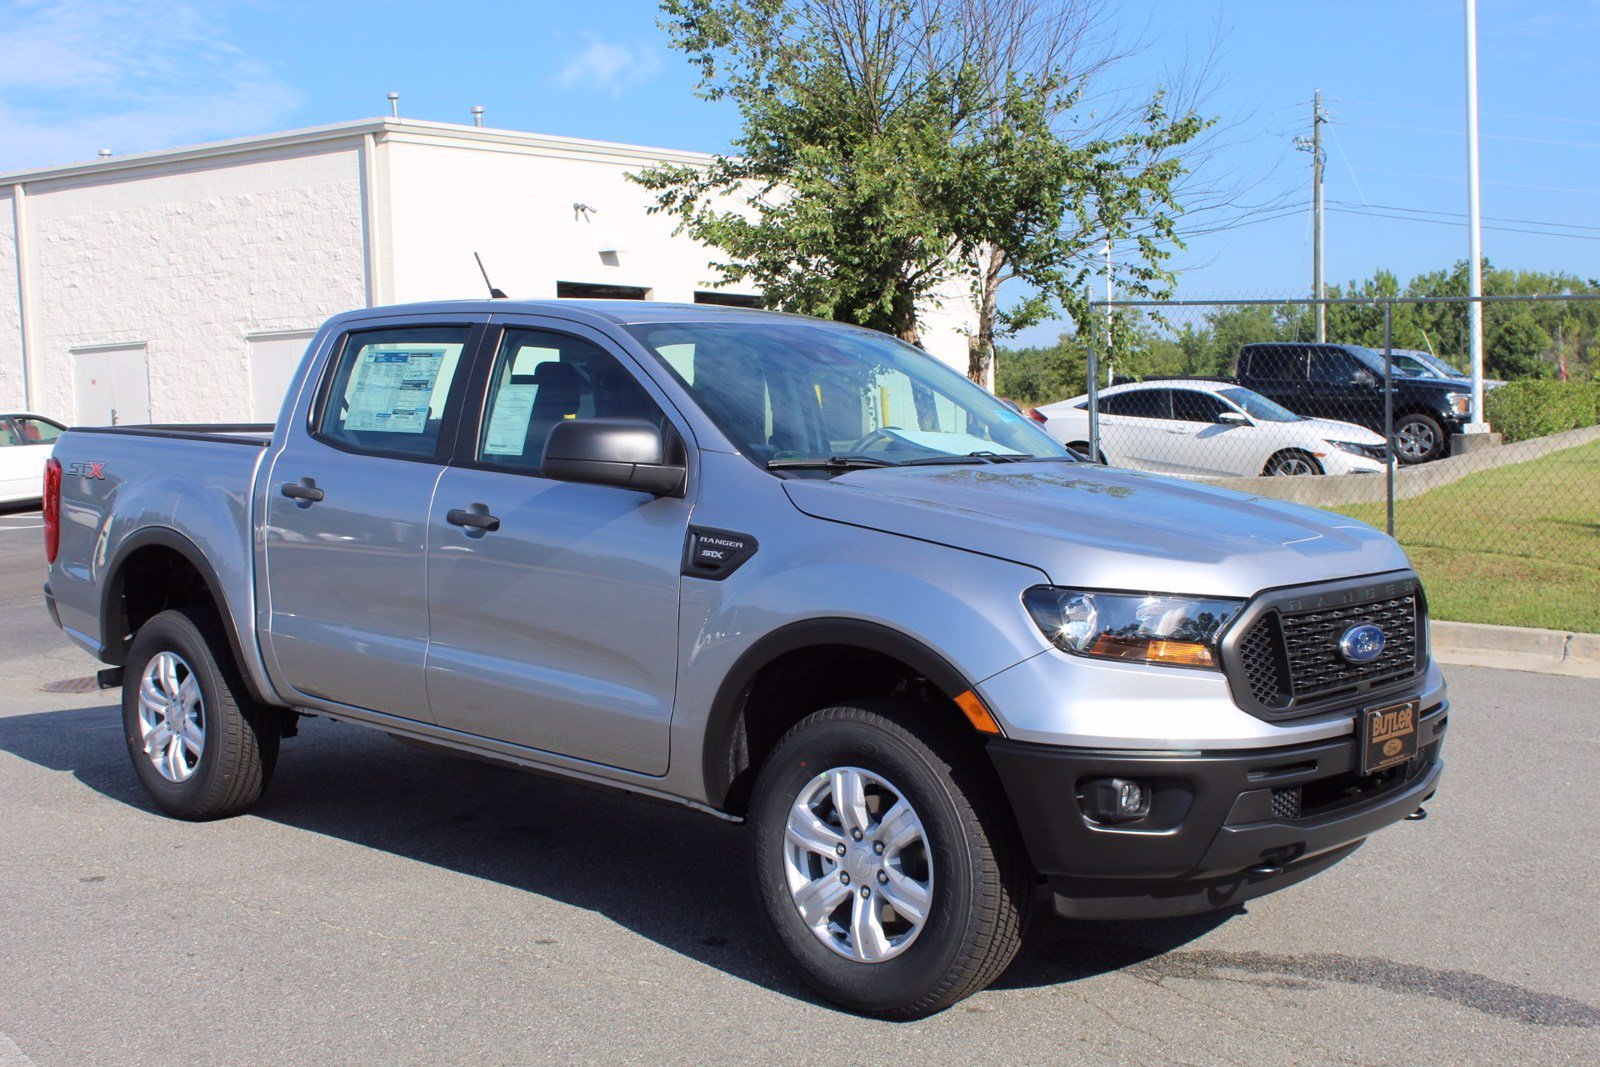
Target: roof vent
(394, 105)
(105, 153)
(477, 114)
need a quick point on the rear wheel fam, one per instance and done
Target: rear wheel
(886, 860)
(1291, 463)
(202, 748)
(1418, 438)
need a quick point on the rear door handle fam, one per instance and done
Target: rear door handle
(304, 492)
(476, 517)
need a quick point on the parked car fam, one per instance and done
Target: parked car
(1200, 427)
(25, 443)
(1415, 363)
(1345, 382)
(792, 573)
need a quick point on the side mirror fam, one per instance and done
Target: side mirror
(626, 453)
(1232, 418)
(1364, 377)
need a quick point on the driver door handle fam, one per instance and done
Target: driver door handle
(304, 492)
(475, 518)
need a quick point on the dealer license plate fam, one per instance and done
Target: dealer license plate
(1388, 736)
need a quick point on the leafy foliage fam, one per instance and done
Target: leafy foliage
(1525, 409)
(895, 152)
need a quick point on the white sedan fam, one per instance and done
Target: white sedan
(25, 443)
(1213, 429)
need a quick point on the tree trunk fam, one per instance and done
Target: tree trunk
(980, 352)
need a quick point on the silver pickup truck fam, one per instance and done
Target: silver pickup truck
(783, 571)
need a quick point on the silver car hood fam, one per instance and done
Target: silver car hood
(1091, 526)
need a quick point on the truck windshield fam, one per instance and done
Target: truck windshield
(1259, 407)
(791, 392)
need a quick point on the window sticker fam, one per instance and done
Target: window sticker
(508, 423)
(391, 389)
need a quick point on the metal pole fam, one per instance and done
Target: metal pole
(1109, 343)
(1474, 226)
(1094, 381)
(1388, 412)
(1316, 229)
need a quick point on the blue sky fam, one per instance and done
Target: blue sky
(131, 75)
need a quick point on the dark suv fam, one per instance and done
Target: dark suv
(1345, 382)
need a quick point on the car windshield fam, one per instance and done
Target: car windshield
(1439, 366)
(789, 392)
(1259, 407)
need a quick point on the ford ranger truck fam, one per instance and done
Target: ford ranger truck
(787, 572)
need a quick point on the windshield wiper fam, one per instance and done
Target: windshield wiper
(839, 463)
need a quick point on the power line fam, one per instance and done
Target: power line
(1459, 215)
(1459, 133)
(1448, 222)
(1461, 111)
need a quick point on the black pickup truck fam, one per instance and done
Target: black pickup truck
(1345, 382)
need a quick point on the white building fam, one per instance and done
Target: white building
(181, 286)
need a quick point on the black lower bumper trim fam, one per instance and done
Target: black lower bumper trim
(1222, 826)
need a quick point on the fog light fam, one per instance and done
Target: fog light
(1118, 799)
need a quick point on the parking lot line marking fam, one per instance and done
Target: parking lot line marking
(38, 527)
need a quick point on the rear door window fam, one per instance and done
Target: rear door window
(1139, 404)
(393, 390)
(1333, 365)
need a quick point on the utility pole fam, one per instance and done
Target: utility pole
(1474, 227)
(1313, 144)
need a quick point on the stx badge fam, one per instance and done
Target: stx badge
(88, 470)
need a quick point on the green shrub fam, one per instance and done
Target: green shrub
(1525, 409)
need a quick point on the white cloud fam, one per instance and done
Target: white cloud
(130, 75)
(608, 68)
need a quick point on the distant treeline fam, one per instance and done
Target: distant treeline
(1520, 339)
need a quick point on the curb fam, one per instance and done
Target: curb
(1576, 655)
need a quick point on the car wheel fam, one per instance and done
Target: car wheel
(1418, 439)
(1292, 462)
(886, 860)
(202, 748)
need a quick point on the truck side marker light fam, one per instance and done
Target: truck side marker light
(977, 714)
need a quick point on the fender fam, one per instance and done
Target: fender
(113, 649)
(857, 633)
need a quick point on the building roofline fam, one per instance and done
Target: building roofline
(405, 130)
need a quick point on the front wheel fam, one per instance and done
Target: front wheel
(886, 860)
(1419, 438)
(202, 748)
(1292, 463)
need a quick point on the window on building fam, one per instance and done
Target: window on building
(391, 390)
(731, 300)
(597, 291)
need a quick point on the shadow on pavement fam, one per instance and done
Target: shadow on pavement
(669, 874)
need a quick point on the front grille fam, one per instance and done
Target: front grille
(1290, 659)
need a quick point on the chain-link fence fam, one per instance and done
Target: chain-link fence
(1379, 421)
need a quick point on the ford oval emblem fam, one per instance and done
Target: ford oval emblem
(1361, 644)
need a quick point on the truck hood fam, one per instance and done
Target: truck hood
(1083, 524)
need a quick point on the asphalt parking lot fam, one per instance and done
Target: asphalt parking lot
(389, 905)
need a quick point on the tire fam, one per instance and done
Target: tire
(224, 769)
(1418, 438)
(1292, 462)
(970, 862)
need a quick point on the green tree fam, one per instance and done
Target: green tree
(892, 150)
(1516, 345)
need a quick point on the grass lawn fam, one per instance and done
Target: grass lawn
(1518, 545)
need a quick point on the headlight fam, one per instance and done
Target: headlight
(1369, 451)
(1460, 403)
(1144, 627)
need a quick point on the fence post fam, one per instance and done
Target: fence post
(1388, 411)
(1094, 381)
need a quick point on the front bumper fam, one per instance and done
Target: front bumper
(1223, 827)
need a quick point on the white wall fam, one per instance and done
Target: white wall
(188, 258)
(516, 210)
(11, 376)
